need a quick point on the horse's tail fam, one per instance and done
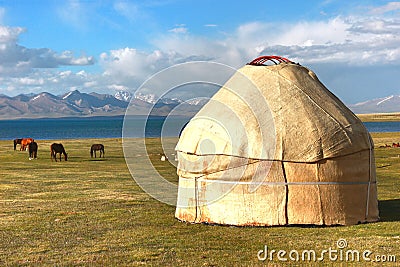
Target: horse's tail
(91, 152)
(15, 144)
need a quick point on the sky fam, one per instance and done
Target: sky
(105, 46)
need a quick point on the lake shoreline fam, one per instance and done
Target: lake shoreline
(367, 117)
(379, 117)
(119, 127)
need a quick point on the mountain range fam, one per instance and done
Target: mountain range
(380, 105)
(75, 104)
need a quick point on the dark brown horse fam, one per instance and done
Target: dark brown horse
(32, 148)
(25, 142)
(57, 149)
(97, 147)
(17, 142)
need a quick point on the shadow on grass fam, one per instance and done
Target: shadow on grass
(97, 159)
(389, 210)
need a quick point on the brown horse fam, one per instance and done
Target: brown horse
(97, 147)
(17, 142)
(32, 147)
(25, 142)
(57, 149)
(396, 145)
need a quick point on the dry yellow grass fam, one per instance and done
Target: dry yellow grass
(380, 117)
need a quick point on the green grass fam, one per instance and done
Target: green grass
(90, 212)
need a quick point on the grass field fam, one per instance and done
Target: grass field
(380, 116)
(90, 212)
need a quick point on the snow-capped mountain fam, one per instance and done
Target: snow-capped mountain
(149, 98)
(199, 101)
(75, 103)
(71, 104)
(123, 96)
(380, 105)
(153, 99)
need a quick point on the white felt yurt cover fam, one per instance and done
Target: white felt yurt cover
(273, 147)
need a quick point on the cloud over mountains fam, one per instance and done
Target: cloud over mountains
(16, 59)
(370, 37)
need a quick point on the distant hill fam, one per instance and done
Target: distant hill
(76, 104)
(380, 105)
(71, 104)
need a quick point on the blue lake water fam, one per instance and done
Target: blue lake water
(111, 127)
(93, 127)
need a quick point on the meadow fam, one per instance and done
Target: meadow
(395, 116)
(90, 212)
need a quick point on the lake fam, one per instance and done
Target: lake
(111, 127)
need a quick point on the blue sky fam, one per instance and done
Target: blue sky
(105, 46)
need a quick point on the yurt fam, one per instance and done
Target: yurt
(275, 147)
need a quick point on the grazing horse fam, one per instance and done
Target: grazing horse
(32, 147)
(396, 145)
(17, 142)
(57, 149)
(385, 146)
(96, 147)
(25, 142)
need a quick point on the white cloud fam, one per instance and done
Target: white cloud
(351, 41)
(9, 35)
(391, 6)
(30, 81)
(90, 84)
(117, 87)
(127, 9)
(180, 30)
(18, 60)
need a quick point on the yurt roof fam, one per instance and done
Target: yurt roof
(275, 112)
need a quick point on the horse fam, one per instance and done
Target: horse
(396, 145)
(17, 142)
(32, 147)
(96, 147)
(57, 149)
(25, 142)
(385, 146)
